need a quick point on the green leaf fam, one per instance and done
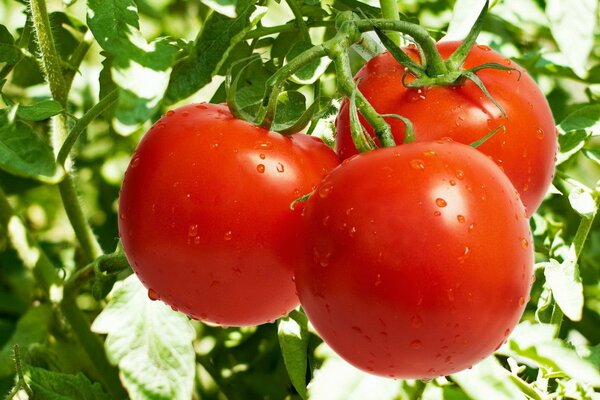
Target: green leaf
(535, 345)
(592, 154)
(140, 69)
(32, 328)
(225, 7)
(586, 118)
(49, 385)
(573, 25)
(293, 339)
(583, 201)
(24, 153)
(151, 344)
(310, 73)
(488, 380)
(219, 36)
(565, 283)
(350, 383)
(464, 15)
(39, 111)
(9, 53)
(290, 107)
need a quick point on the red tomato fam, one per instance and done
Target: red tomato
(205, 215)
(418, 260)
(525, 150)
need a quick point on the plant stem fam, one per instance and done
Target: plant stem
(389, 10)
(299, 20)
(434, 62)
(90, 246)
(29, 251)
(82, 123)
(77, 57)
(289, 27)
(54, 75)
(346, 83)
(50, 58)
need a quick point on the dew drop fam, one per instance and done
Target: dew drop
(135, 162)
(260, 168)
(450, 294)
(429, 153)
(452, 182)
(352, 231)
(483, 47)
(228, 235)
(357, 329)
(464, 255)
(280, 167)
(152, 295)
(460, 218)
(262, 156)
(440, 202)
(417, 164)
(263, 145)
(201, 106)
(521, 301)
(506, 332)
(325, 220)
(471, 227)
(437, 213)
(185, 113)
(193, 230)
(539, 134)
(214, 145)
(460, 174)
(170, 113)
(378, 280)
(122, 216)
(524, 243)
(325, 190)
(416, 344)
(416, 321)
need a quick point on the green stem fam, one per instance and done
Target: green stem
(345, 81)
(266, 113)
(77, 57)
(50, 58)
(82, 123)
(389, 10)
(435, 64)
(29, 251)
(299, 20)
(89, 244)
(94, 348)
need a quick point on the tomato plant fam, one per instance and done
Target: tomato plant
(205, 215)
(406, 273)
(525, 144)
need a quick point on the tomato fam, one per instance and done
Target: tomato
(525, 150)
(418, 260)
(205, 215)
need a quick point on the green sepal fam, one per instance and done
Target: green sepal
(475, 79)
(457, 58)
(231, 85)
(484, 139)
(362, 140)
(399, 55)
(409, 131)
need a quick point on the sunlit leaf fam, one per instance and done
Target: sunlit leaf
(50, 385)
(567, 289)
(293, 339)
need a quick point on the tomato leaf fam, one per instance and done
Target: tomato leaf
(464, 15)
(140, 69)
(50, 385)
(39, 111)
(24, 153)
(583, 119)
(224, 7)
(488, 380)
(536, 346)
(151, 344)
(572, 25)
(565, 282)
(293, 339)
(33, 327)
(583, 201)
(219, 36)
(592, 154)
(350, 383)
(9, 52)
(311, 72)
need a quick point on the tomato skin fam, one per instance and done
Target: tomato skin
(418, 260)
(525, 150)
(205, 216)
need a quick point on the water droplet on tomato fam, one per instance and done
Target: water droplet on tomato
(539, 134)
(450, 294)
(416, 321)
(193, 230)
(263, 145)
(228, 235)
(201, 106)
(260, 168)
(262, 156)
(325, 190)
(122, 216)
(524, 243)
(417, 164)
(460, 174)
(471, 227)
(483, 47)
(352, 231)
(357, 329)
(185, 113)
(280, 167)
(152, 295)
(378, 280)
(134, 162)
(464, 255)
(174, 308)
(440, 202)
(437, 213)
(506, 332)
(416, 344)
(170, 113)
(507, 61)
(429, 153)
(460, 218)
(521, 301)
(452, 182)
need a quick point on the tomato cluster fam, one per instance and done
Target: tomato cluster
(410, 261)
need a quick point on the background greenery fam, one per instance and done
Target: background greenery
(144, 57)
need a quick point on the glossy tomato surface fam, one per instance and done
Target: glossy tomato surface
(418, 260)
(525, 149)
(205, 215)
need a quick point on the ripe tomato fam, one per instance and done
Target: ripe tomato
(418, 260)
(525, 150)
(205, 215)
